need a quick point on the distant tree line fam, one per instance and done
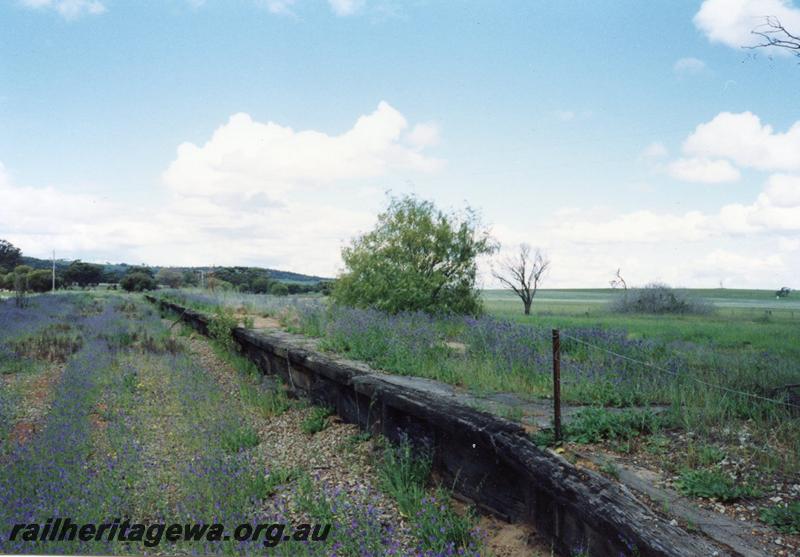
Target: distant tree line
(29, 274)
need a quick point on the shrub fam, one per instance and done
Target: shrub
(317, 420)
(239, 439)
(712, 484)
(784, 519)
(659, 299)
(40, 281)
(403, 477)
(418, 258)
(138, 282)
(279, 289)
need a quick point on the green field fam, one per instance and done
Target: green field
(742, 319)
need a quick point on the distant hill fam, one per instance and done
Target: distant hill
(119, 269)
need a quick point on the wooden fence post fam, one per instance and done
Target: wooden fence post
(557, 385)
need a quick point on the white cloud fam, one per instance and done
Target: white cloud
(345, 7)
(68, 9)
(655, 150)
(706, 171)
(279, 7)
(689, 66)
(423, 135)
(244, 158)
(742, 138)
(731, 22)
(253, 194)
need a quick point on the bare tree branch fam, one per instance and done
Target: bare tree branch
(523, 274)
(618, 281)
(774, 34)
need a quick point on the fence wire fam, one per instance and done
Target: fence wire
(677, 374)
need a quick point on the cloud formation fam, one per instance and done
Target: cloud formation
(244, 158)
(706, 171)
(68, 9)
(731, 22)
(742, 138)
(689, 66)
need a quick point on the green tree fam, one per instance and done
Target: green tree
(83, 274)
(10, 255)
(170, 277)
(41, 280)
(279, 289)
(138, 282)
(417, 258)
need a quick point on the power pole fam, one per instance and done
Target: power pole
(54, 271)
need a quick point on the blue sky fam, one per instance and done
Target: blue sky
(625, 134)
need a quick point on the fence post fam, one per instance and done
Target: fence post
(557, 385)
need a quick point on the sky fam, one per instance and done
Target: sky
(627, 135)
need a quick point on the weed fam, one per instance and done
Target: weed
(353, 441)
(264, 487)
(593, 425)
(317, 420)
(785, 519)
(53, 343)
(712, 484)
(657, 444)
(403, 476)
(708, 455)
(610, 468)
(239, 439)
(269, 402)
(221, 325)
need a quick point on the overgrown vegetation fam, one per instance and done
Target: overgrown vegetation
(440, 528)
(784, 518)
(418, 258)
(659, 299)
(714, 484)
(317, 420)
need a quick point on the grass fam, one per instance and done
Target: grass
(693, 364)
(785, 519)
(440, 528)
(317, 420)
(239, 439)
(713, 484)
(597, 425)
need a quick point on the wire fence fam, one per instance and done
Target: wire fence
(674, 373)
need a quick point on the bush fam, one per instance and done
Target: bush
(711, 484)
(279, 289)
(418, 258)
(317, 420)
(40, 281)
(138, 282)
(784, 519)
(659, 298)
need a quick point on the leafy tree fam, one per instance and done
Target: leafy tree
(261, 285)
(10, 255)
(416, 258)
(279, 289)
(140, 269)
(215, 283)
(40, 280)
(83, 274)
(138, 282)
(170, 277)
(783, 292)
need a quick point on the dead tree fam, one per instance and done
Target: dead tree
(618, 281)
(774, 34)
(523, 274)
